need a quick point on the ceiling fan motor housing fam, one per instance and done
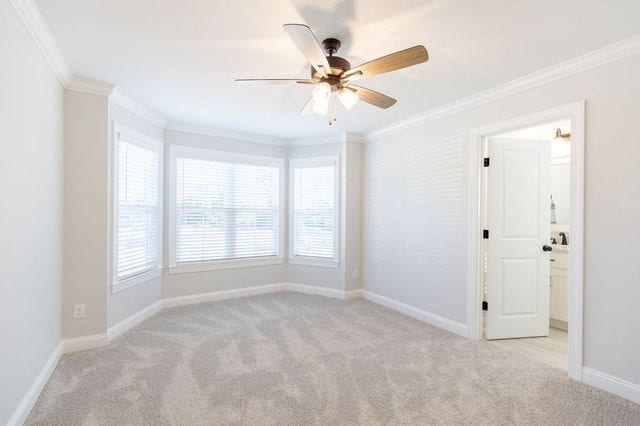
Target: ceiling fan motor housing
(338, 65)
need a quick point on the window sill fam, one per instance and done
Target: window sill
(135, 280)
(314, 261)
(224, 264)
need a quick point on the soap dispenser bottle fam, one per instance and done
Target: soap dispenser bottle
(553, 212)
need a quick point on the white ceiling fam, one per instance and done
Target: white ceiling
(180, 58)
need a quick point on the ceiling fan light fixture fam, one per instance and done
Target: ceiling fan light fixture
(348, 97)
(333, 76)
(321, 106)
(322, 92)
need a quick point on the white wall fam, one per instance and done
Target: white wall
(86, 213)
(352, 203)
(181, 284)
(425, 265)
(31, 185)
(132, 300)
(561, 191)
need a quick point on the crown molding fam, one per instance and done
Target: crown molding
(225, 134)
(320, 140)
(353, 137)
(596, 58)
(339, 138)
(90, 86)
(35, 24)
(37, 27)
(137, 108)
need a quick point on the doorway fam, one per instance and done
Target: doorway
(527, 210)
(525, 259)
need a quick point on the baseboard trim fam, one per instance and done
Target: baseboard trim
(85, 342)
(133, 320)
(611, 384)
(222, 295)
(353, 294)
(29, 400)
(419, 314)
(313, 289)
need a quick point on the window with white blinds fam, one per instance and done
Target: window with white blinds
(314, 208)
(227, 206)
(138, 217)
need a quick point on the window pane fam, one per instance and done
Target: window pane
(314, 211)
(138, 210)
(225, 210)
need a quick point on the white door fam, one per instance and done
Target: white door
(518, 220)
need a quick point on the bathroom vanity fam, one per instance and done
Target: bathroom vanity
(559, 294)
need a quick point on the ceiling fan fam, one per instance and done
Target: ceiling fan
(333, 76)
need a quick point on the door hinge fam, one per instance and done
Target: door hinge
(486, 162)
(485, 234)
(485, 305)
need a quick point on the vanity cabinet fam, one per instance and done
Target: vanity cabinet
(559, 306)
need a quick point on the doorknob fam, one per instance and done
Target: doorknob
(546, 248)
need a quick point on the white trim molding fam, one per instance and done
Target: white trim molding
(316, 290)
(29, 400)
(329, 139)
(596, 58)
(216, 265)
(136, 108)
(575, 112)
(83, 343)
(133, 320)
(611, 384)
(135, 280)
(417, 313)
(319, 140)
(37, 27)
(318, 262)
(223, 295)
(224, 133)
(353, 294)
(89, 86)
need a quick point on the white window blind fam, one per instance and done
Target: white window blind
(138, 209)
(225, 210)
(314, 210)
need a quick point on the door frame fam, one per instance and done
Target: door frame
(576, 113)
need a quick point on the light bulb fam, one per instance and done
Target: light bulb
(320, 106)
(348, 97)
(322, 91)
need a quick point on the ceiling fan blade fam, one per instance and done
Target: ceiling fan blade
(395, 61)
(275, 80)
(303, 37)
(307, 109)
(373, 97)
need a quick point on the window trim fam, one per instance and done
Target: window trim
(181, 151)
(299, 163)
(146, 142)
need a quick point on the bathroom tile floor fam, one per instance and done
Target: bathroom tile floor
(551, 350)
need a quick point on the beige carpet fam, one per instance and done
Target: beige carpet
(288, 358)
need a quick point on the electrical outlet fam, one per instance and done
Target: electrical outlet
(355, 274)
(78, 311)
